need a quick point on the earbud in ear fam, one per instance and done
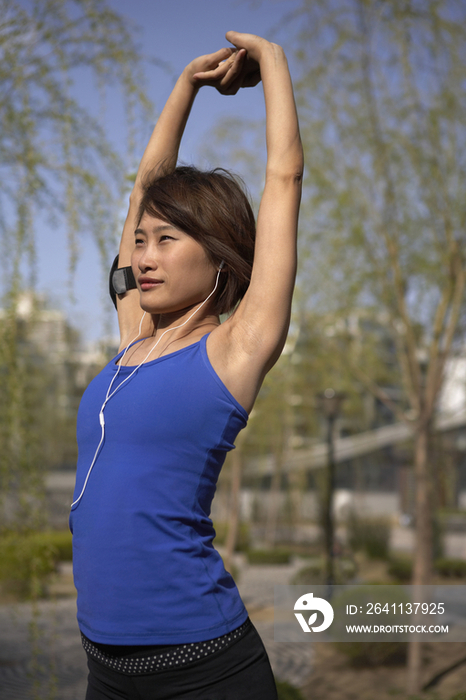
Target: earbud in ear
(220, 267)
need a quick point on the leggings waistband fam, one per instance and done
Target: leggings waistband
(169, 657)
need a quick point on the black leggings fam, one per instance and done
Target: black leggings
(239, 672)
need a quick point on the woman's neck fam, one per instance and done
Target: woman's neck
(180, 328)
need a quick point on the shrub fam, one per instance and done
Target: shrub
(25, 563)
(314, 573)
(269, 556)
(28, 559)
(286, 691)
(363, 654)
(61, 541)
(401, 568)
(311, 573)
(242, 543)
(375, 653)
(370, 535)
(451, 568)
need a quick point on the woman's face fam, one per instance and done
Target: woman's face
(172, 270)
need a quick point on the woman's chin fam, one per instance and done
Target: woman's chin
(157, 309)
(149, 306)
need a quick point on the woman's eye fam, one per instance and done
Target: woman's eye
(166, 238)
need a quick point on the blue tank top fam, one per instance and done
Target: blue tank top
(145, 567)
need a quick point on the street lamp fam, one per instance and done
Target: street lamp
(330, 402)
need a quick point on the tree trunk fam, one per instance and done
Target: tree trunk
(329, 524)
(233, 517)
(274, 502)
(423, 564)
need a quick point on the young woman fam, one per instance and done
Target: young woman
(160, 616)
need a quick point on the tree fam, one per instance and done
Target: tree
(55, 158)
(55, 161)
(381, 97)
(382, 100)
(37, 430)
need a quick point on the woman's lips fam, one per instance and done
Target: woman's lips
(146, 283)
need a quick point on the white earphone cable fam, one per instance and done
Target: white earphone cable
(109, 395)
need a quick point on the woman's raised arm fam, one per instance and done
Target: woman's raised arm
(223, 70)
(246, 346)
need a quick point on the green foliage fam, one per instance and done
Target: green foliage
(374, 653)
(401, 568)
(243, 539)
(370, 535)
(21, 386)
(56, 160)
(39, 385)
(269, 556)
(271, 412)
(314, 573)
(28, 558)
(381, 145)
(380, 91)
(450, 568)
(286, 691)
(363, 654)
(311, 573)
(55, 155)
(61, 541)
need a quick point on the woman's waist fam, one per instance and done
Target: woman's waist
(137, 544)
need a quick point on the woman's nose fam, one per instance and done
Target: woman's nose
(147, 260)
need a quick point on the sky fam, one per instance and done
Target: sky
(174, 31)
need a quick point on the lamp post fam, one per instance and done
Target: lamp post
(330, 403)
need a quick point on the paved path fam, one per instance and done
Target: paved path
(60, 658)
(290, 661)
(57, 670)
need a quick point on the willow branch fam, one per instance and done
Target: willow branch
(456, 305)
(383, 166)
(378, 392)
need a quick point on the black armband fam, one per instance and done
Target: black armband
(121, 279)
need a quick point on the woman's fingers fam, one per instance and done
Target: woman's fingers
(234, 74)
(211, 75)
(223, 75)
(213, 60)
(209, 62)
(228, 70)
(245, 75)
(222, 54)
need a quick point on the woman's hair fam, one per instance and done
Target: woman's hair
(213, 208)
